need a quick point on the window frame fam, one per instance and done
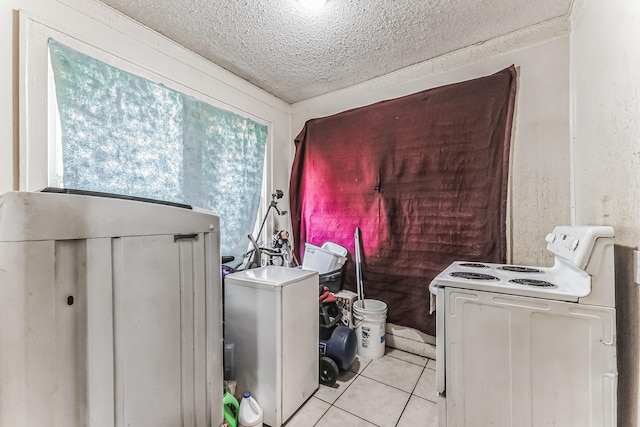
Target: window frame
(39, 123)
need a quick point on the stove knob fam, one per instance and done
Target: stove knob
(550, 238)
(574, 244)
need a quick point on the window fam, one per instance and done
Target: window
(122, 133)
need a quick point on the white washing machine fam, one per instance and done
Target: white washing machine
(530, 346)
(271, 320)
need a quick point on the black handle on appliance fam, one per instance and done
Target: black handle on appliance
(177, 237)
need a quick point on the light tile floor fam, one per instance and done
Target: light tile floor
(396, 390)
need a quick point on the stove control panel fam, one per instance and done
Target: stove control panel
(576, 243)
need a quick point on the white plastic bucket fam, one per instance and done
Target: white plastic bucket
(370, 317)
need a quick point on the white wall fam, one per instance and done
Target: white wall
(539, 181)
(606, 103)
(90, 25)
(605, 79)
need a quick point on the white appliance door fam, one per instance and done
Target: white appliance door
(300, 360)
(441, 357)
(253, 325)
(516, 361)
(159, 321)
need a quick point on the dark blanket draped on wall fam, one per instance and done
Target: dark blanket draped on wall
(423, 176)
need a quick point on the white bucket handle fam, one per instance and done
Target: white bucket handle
(358, 319)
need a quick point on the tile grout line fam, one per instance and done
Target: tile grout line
(389, 385)
(357, 374)
(331, 405)
(408, 361)
(361, 373)
(419, 376)
(345, 390)
(380, 382)
(404, 409)
(323, 414)
(411, 394)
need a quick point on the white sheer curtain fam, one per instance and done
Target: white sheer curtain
(124, 134)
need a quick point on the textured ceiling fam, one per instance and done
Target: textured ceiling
(296, 53)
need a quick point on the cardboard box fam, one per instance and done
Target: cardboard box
(346, 300)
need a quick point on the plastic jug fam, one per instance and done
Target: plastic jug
(250, 413)
(231, 409)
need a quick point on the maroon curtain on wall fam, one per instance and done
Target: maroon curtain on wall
(423, 176)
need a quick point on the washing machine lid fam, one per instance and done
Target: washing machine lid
(273, 277)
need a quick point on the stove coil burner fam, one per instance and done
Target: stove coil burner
(473, 265)
(473, 276)
(518, 269)
(533, 282)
